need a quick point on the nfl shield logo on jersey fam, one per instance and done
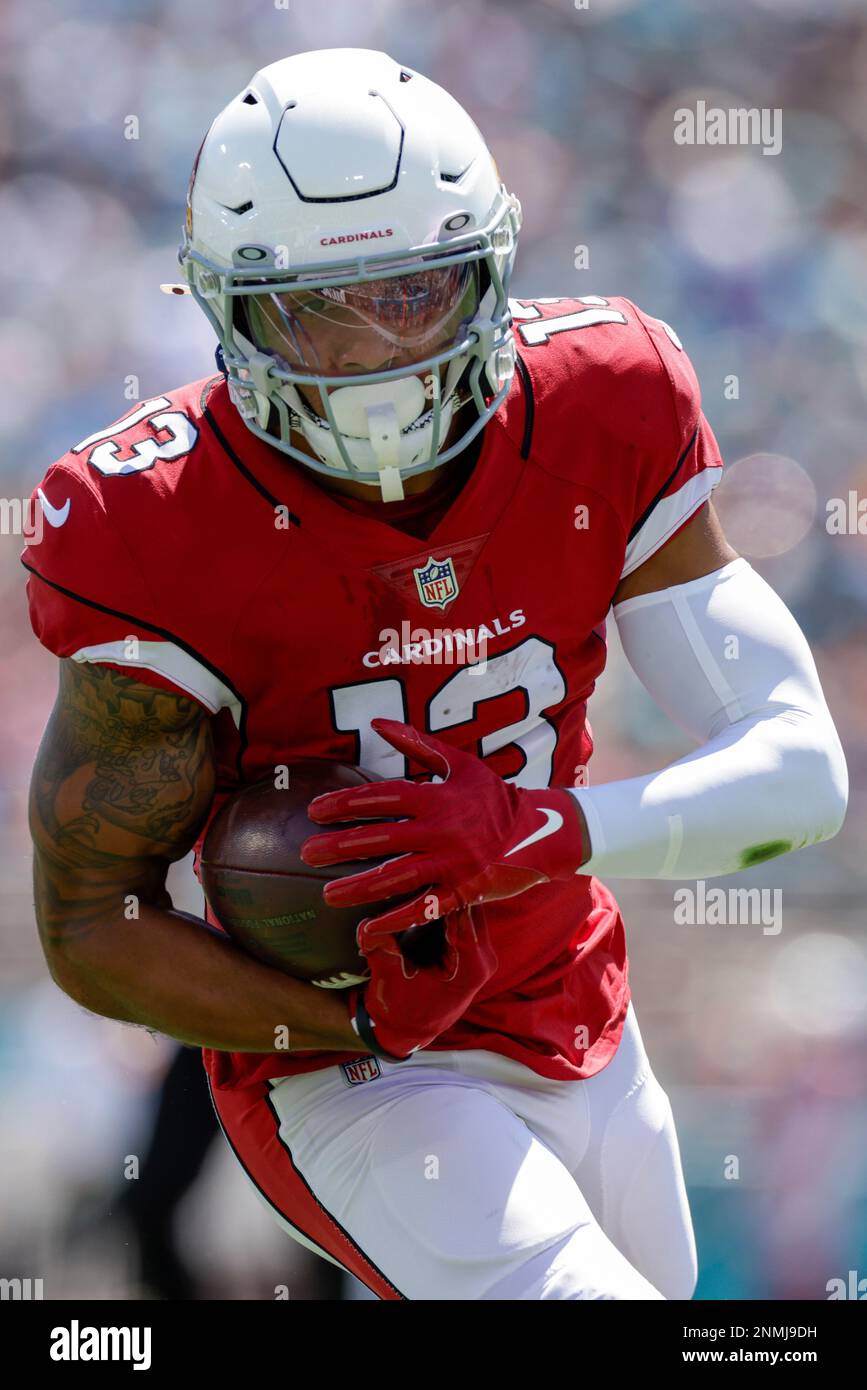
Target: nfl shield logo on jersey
(436, 582)
(361, 1069)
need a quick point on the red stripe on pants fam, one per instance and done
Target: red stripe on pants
(252, 1127)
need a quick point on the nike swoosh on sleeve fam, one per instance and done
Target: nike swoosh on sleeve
(55, 516)
(552, 824)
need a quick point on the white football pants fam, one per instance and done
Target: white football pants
(464, 1175)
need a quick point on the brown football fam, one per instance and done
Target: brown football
(270, 902)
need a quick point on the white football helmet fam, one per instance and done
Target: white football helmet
(350, 240)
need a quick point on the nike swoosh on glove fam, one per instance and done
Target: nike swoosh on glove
(404, 1007)
(471, 838)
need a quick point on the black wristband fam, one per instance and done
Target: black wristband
(363, 1025)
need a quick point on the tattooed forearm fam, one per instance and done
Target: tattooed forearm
(121, 786)
(140, 749)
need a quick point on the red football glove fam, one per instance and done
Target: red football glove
(472, 838)
(403, 1007)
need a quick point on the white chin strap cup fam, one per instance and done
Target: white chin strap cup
(385, 441)
(373, 423)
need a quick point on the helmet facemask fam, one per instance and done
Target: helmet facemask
(371, 359)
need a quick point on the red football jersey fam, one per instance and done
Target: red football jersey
(294, 619)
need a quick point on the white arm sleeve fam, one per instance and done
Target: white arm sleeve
(725, 659)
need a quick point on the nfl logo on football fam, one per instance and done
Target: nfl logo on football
(436, 582)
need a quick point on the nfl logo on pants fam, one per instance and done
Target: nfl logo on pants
(361, 1069)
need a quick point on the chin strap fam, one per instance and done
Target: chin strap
(365, 416)
(384, 429)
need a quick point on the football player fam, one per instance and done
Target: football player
(291, 558)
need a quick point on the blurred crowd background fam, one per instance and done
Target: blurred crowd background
(760, 263)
